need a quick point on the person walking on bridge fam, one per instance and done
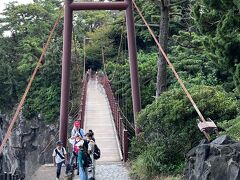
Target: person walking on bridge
(91, 145)
(59, 154)
(91, 133)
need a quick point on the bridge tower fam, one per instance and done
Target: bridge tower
(71, 6)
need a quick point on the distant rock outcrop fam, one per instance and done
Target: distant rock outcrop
(30, 145)
(218, 160)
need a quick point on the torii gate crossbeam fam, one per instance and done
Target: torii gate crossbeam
(70, 6)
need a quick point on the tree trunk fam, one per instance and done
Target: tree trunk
(163, 39)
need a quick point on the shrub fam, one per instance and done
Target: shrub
(231, 128)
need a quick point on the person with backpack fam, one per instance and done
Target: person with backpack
(77, 131)
(91, 145)
(59, 154)
(92, 133)
(83, 162)
(96, 151)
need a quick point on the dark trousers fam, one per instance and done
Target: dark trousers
(59, 167)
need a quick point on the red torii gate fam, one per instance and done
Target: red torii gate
(71, 6)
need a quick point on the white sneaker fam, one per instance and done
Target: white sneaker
(57, 179)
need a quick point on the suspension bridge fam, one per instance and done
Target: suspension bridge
(99, 110)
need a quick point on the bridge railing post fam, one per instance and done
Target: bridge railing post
(82, 107)
(115, 111)
(118, 122)
(125, 145)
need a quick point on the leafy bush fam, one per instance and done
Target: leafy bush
(170, 130)
(231, 128)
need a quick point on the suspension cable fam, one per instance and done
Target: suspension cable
(14, 119)
(169, 63)
(119, 50)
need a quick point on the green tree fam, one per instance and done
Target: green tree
(218, 22)
(29, 26)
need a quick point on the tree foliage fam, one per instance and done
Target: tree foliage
(218, 22)
(21, 50)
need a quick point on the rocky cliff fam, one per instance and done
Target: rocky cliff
(218, 160)
(30, 145)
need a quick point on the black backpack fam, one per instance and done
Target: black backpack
(97, 152)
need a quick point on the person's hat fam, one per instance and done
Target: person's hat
(77, 124)
(59, 143)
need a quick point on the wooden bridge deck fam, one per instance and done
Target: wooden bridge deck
(98, 117)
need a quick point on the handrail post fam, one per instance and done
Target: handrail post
(120, 130)
(115, 111)
(118, 122)
(126, 143)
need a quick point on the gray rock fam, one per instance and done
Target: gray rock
(223, 140)
(26, 149)
(219, 160)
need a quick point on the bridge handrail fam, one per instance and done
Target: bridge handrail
(122, 132)
(81, 112)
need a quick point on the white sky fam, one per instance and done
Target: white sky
(4, 2)
(3, 5)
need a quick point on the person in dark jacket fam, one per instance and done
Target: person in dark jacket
(83, 172)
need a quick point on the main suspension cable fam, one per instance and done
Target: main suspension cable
(170, 64)
(14, 119)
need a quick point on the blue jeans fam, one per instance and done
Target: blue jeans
(83, 173)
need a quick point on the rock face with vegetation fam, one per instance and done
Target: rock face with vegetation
(30, 145)
(217, 160)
